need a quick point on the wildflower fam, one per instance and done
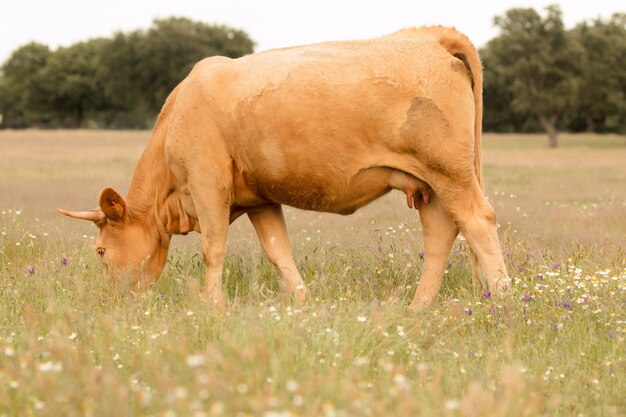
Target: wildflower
(399, 380)
(556, 266)
(63, 261)
(361, 319)
(31, 270)
(452, 404)
(527, 297)
(277, 414)
(292, 386)
(468, 310)
(566, 304)
(421, 255)
(50, 367)
(193, 361)
(487, 294)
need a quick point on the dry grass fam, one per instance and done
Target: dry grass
(71, 345)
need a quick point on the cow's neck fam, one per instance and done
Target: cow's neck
(152, 194)
(152, 180)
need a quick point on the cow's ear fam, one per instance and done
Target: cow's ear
(112, 204)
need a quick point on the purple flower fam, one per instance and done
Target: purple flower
(529, 255)
(612, 335)
(31, 270)
(487, 294)
(421, 255)
(555, 266)
(63, 261)
(468, 310)
(527, 297)
(555, 326)
(566, 304)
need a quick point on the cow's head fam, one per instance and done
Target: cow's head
(128, 244)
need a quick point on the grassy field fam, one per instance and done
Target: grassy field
(70, 345)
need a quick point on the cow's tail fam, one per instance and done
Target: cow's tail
(461, 47)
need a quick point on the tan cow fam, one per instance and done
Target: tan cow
(326, 127)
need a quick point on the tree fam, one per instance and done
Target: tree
(602, 99)
(497, 98)
(540, 61)
(70, 84)
(19, 90)
(171, 47)
(121, 81)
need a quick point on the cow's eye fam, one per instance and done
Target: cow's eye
(100, 252)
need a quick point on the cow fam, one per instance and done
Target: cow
(328, 127)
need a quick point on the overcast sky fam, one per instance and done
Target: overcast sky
(271, 23)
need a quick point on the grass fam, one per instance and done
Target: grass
(72, 345)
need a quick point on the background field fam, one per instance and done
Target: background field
(71, 345)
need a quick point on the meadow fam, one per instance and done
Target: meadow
(73, 345)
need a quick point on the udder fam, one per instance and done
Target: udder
(371, 183)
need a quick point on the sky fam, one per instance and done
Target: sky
(270, 23)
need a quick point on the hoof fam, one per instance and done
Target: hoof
(298, 293)
(216, 300)
(421, 304)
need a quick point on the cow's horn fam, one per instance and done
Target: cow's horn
(93, 215)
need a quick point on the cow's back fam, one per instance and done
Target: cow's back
(300, 122)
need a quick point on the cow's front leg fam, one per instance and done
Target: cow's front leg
(439, 234)
(270, 226)
(213, 208)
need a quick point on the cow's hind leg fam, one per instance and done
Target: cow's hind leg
(477, 221)
(270, 226)
(439, 234)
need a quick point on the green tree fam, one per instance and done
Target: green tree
(539, 61)
(19, 90)
(121, 81)
(602, 100)
(70, 84)
(171, 47)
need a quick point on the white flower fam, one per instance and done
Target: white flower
(452, 404)
(361, 361)
(277, 414)
(193, 361)
(50, 366)
(361, 319)
(292, 386)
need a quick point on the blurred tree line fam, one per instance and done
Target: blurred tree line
(538, 75)
(118, 82)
